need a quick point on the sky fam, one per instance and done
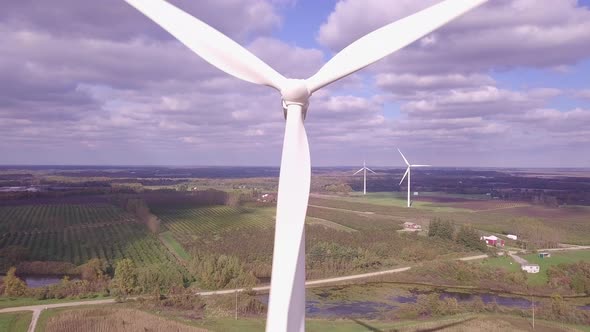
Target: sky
(97, 83)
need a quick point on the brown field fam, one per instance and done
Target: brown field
(442, 199)
(488, 205)
(113, 319)
(489, 323)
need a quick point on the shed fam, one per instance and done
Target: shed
(512, 237)
(544, 255)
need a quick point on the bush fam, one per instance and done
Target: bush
(216, 272)
(125, 281)
(13, 285)
(441, 228)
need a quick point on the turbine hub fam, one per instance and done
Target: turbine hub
(295, 92)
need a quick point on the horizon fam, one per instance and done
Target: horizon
(434, 167)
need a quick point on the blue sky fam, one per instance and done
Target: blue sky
(505, 85)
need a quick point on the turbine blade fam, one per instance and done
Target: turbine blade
(421, 165)
(357, 172)
(287, 290)
(406, 173)
(388, 39)
(370, 170)
(210, 44)
(405, 160)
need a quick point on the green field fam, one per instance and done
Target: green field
(504, 262)
(565, 257)
(15, 322)
(171, 242)
(399, 200)
(487, 215)
(76, 233)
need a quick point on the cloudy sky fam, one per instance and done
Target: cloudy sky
(507, 85)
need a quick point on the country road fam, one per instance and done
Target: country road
(37, 309)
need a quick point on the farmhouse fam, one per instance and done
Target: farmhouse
(493, 241)
(413, 226)
(267, 198)
(530, 268)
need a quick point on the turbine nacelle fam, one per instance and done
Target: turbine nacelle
(295, 92)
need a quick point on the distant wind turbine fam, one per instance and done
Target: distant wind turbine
(286, 311)
(365, 169)
(409, 173)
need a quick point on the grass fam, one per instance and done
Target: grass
(504, 262)
(565, 257)
(328, 224)
(15, 322)
(171, 242)
(398, 200)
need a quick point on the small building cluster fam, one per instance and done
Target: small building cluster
(412, 226)
(530, 268)
(267, 198)
(493, 241)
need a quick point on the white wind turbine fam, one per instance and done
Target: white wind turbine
(365, 169)
(287, 295)
(409, 174)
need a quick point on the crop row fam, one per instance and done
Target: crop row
(77, 245)
(207, 220)
(58, 216)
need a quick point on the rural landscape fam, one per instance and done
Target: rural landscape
(189, 165)
(190, 249)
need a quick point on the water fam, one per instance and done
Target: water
(511, 302)
(36, 281)
(327, 308)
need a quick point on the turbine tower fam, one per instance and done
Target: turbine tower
(365, 169)
(409, 174)
(287, 294)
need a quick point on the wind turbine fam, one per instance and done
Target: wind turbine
(365, 169)
(287, 295)
(409, 174)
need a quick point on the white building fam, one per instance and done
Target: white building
(530, 268)
(512, 237)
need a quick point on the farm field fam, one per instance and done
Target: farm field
(106, 319)
(571, 221)
(187, 224)
(76, 233)
(15, 322)
(459, 323)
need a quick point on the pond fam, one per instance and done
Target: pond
(324, 305)
(36, 281)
